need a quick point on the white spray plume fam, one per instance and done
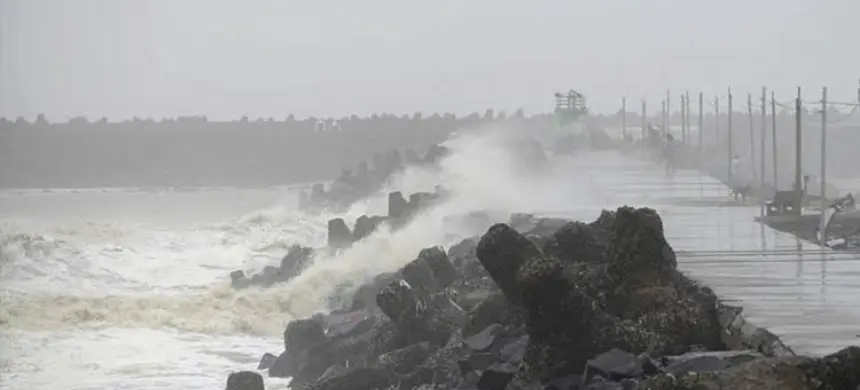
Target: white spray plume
(482, 173)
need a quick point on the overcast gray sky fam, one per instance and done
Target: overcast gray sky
(225, 59)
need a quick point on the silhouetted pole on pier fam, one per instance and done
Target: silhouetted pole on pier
(822, 228)
(665, 119)
(668, 111)
(798, 151)
(644, 118)
(717, 120)
(683, 121)
(701, 117)
(763, 137)
(624, 117)
(687, 115)
(731, 146)
(773, 132)
(752, 136)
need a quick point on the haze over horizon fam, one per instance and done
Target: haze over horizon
(226, 59)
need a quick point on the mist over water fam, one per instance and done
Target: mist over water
(70, 282)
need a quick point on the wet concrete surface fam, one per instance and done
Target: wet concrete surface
(807, 295)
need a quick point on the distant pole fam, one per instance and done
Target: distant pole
(683, 122)
(687, 116)
(717, 120)
(624, 116)
(763, 136)
(731, 146)
(773, 133)
(701, 118)
(644, 118)
(798, 153)
(665, 120)
(752, 136)
(822, 229)
(668, 110)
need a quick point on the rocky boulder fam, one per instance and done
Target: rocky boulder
(583, 298)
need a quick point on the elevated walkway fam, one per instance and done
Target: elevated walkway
(807, 295)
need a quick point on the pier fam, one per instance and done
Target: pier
(806, 294)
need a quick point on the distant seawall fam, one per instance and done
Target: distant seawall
(199, 153)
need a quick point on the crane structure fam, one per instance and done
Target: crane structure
(569, 107)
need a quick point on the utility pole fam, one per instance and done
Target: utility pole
(668, 112)
(687, 116)
(683, 122)
(717, 119)
(624, 116)
(822, 229)
(644, 118)
(665, 120)
(752, 136)
(798, 154)
(763, 136)
(773, 131)
(701, 118)
(731, 155)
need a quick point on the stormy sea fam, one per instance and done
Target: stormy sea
(128, 288)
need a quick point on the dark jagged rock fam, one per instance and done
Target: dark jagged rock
(339, 235)
(739, 334)
(603, 225)
(615, 365)
(353, 185)
(296, 260)
(494, 309)
(422, 200)
(637, 246)
(497, 377)
(840, 370)
(566, 327)
(365, 296)
(556, 306)
(418, 274)
(463, 252)
(569, 323)
(441, 267)
(484, 339)
(238, 279)
(576, 242)
(345, 323)
(403, 360)
(514, 351)
(697, 364)
(245, 380)
(302, 335)
(365, 225)
(360, 378)
(442, 368)
(266, 361)
(398, 207)
(415, 316)
(647, 287)
(502, 251)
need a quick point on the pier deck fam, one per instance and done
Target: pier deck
(807, 295)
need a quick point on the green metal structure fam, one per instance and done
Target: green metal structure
(569, 107)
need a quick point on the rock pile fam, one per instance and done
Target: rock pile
(351, 185)
(340, 237)
(547, 304)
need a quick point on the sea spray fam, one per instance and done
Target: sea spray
(482, 173)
